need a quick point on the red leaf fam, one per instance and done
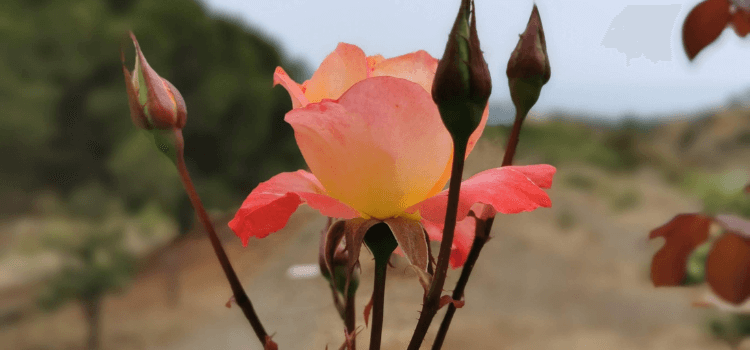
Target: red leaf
(682, 234)
(446, 299)
(728, 268)
(741, 22)
(270, 345)
(368, 307)
(703, 25)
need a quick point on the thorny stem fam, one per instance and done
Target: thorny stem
(241, 298)
(381, 242)
(432, 299)
(350, 320)
(510, 150)
(482, 234)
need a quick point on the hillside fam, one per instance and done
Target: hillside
(571, 277)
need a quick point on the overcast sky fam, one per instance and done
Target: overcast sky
(611, 58)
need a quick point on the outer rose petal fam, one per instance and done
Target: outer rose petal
(540, 175)
(440, 184)
(295, 90)
(507, 189)
(463, 237)
(418, 67)
(344, 67)
(380, 148)
(269, 206)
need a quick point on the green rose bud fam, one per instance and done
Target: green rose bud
(528, 67)
(462, 82)
(154, 102)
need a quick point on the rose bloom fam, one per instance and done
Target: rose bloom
(377, 149)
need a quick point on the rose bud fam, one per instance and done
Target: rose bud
(154, 102)
(462, 82)
(528, 67)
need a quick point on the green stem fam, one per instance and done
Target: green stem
(482, 234)
(432, 299)
(510, 149)
(241, 298)
(378, 301)
(350, 320)
(381, 242)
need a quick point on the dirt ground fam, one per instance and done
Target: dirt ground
(571, 277)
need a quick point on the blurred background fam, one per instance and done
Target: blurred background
(98, 247)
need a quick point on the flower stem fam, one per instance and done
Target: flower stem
(241, 298)
(432, 299)
(378, 301)
(381, 242)
(481, 235)
(350, 320)
(510, 149)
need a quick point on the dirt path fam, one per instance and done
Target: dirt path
(538, 285)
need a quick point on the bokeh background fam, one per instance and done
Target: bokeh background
(99, 247)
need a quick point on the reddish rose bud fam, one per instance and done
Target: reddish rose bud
(154, 102)
(462, 82)
(528, 67)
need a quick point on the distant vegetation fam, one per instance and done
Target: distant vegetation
(64, 121)
(706, 155)
(564, 141)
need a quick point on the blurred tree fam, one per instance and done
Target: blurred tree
(95, 260)
(65, 120)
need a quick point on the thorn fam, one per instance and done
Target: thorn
(229, 302)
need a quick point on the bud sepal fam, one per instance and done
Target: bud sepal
(154, 102)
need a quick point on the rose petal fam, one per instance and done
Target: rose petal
(541, 174)
(372, 61)
(683, 234)
(380, 148)
(507, 189)
(295, 90)
(703, 25)
(269, 206)
(440, 184)
(343, 68)
(463, 237)
(418, 67)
